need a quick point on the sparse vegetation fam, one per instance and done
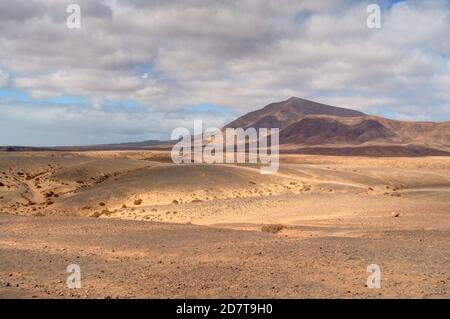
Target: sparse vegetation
(106, 212)
(96, 214)
(272, 228)
(49, 194)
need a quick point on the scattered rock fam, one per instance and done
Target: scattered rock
(138, 201)
(395, 214)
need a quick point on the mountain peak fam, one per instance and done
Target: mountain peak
(284, 113)
(296, 99)
(304, 122)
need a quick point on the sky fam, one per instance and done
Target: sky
(137, 69)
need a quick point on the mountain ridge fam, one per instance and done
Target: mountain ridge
(309, 127)
(304, 122)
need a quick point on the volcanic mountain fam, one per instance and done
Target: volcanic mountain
(315, 125)
(282, 114)
(309, 127)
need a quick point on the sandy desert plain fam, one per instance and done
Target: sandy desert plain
(141, 227)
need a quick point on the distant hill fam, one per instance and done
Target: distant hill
(99, 147)
(116, 146)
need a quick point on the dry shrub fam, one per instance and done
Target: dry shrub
(96, 214)
(272, 228)
(106, 212)
(138, 201)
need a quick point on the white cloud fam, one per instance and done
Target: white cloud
(50, 125)
(239, 54)
(3, 78)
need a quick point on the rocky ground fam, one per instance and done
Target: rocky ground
(310, 231)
